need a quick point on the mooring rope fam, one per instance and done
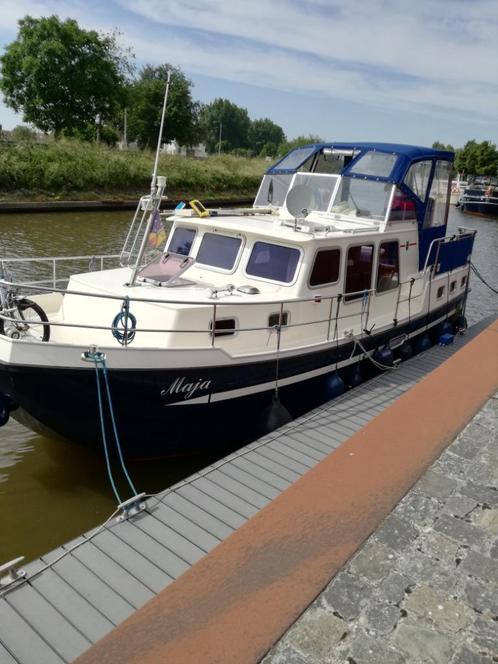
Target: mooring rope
(101, 367)
(479, 276)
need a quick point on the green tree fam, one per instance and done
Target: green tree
(234, 123)
(145, 102)
(62, 78)
(437, 145)
(477, 158)
(265, 136)
(287, 146)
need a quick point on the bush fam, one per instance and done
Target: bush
(70, 167)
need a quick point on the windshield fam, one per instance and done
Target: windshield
(362, 198)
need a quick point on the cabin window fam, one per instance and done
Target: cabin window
(181, 240)
(272, 261)
(362, 198)
(326, 267)
(219, 250)
(440, 292)
(452, 286)
(437, 208)
(359, 271)
(223, 327)
(388, 268)
(417, 178)
(463, 282)
(402, 207)
(274, 319)
(380, 164)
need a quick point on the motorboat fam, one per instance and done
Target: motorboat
(480, 199)
(180, 342)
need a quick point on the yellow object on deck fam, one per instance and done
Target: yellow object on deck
(199, 208)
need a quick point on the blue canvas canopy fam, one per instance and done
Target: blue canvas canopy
(406, 155)
(392, 169)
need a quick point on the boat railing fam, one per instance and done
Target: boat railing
(338, 312)
(50, 267)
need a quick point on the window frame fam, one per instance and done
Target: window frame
(355, 299)
(213, 268)
(386, 292)
(285, 314)
(250, 249)
(327, 283)
(214, 333)
(170, 238)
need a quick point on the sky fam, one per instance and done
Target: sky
(385, 70)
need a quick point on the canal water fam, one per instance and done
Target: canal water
(52, 491)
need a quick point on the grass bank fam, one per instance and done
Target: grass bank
(72, 170)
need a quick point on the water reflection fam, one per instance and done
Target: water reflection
(51, 490)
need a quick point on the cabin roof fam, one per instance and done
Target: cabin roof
(407, 155)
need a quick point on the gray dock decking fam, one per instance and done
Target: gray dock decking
(62, 609)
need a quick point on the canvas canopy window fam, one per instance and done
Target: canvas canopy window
(380, 164)
(417, 178)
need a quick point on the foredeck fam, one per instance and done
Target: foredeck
(76, 594)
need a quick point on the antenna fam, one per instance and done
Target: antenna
(158, 149)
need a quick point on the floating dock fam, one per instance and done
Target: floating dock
(220, 530)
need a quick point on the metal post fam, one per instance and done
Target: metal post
(213, 330)
(330, 317)
(279, 333)
(158, 149)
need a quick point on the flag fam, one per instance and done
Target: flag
(157, 233)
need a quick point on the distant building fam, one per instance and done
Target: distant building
(173, 147)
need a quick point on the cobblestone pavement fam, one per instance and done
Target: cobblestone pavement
(423, 589)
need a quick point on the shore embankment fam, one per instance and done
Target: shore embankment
(71, 171)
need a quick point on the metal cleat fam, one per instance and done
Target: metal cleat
(131, 507)
(13, 572)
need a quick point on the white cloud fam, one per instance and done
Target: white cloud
(430, 56)
(430, 38)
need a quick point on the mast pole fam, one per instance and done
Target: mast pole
(158, 149)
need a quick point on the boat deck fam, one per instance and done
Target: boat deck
(76, 594)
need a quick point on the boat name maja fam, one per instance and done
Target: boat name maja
(179, 386)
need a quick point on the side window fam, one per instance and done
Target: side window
(358, 271)
(271, 261)
(437, 209)
(417, 178)
(325, 269)
(388, 269)
(181, 241)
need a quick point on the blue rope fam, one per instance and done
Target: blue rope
(99, 360)
(126, 335)
(113, 419)
(102, 425)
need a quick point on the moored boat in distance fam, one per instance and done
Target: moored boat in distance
(342, 261)
(481, 198)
